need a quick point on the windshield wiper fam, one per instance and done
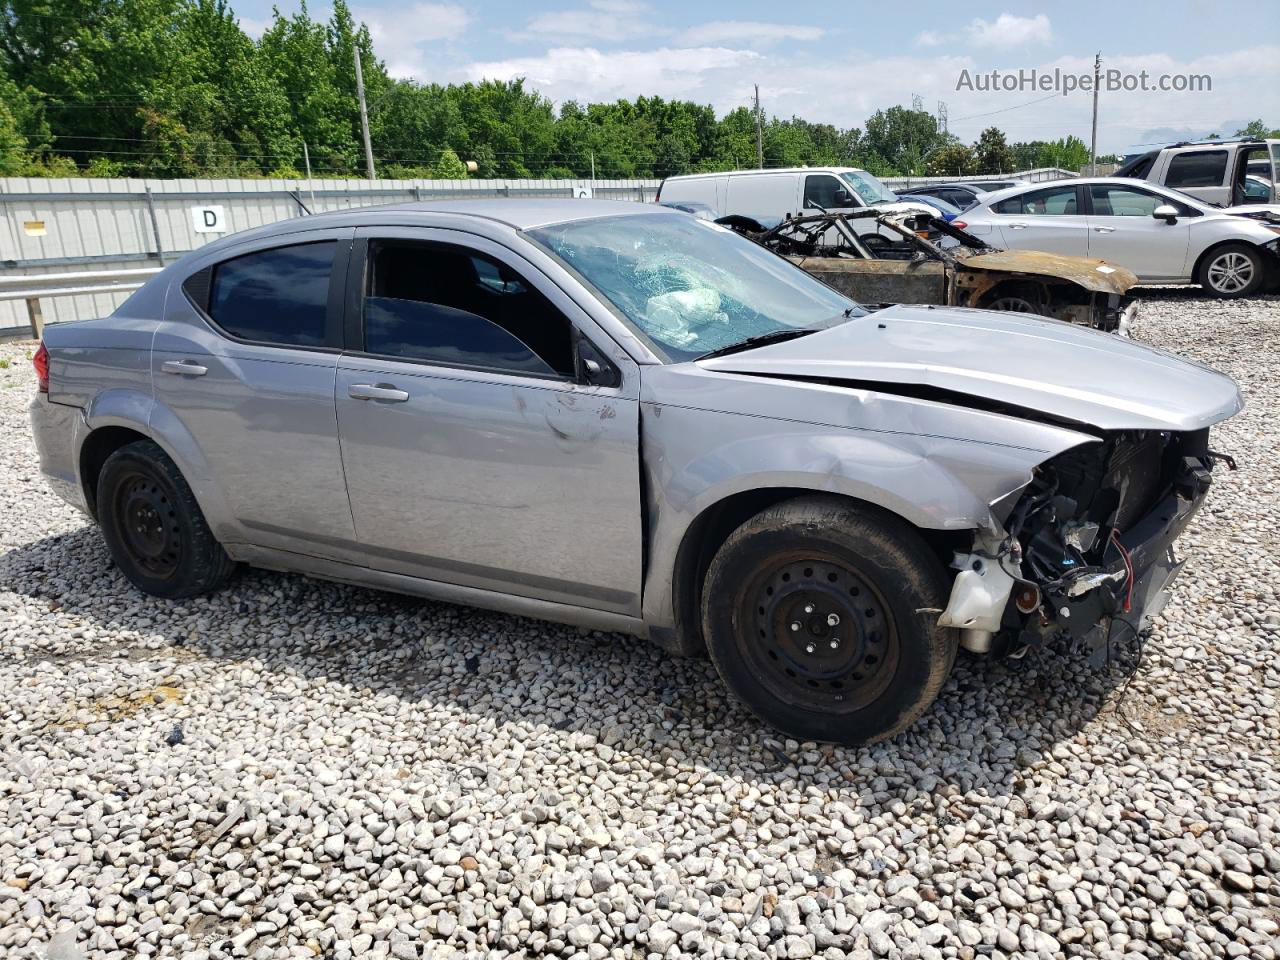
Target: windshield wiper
(760, 340)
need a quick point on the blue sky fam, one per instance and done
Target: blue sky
(838, 63)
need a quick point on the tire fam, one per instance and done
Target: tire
(875, 242)
(153, 526)
(1232, 270)
(866, 677)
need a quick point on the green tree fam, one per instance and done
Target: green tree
(1256, 128)
(953, 160)
(897, 139)
(991, 154)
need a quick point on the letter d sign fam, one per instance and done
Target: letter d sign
(208, 220)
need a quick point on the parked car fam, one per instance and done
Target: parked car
(1212, 171)
(943, 209)
(633, 420)
(1162, 235)
(958, 193)
(776, 195)
(965, 272)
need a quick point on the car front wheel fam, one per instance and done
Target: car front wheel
(821, 616)
(1233, 270)
(153, 526)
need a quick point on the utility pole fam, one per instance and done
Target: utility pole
(311, 186)
(1093, 140)
(593, 166)
(364, 120)
(759, 133)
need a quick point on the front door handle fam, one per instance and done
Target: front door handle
(1105, 229)
(185, 368)
(377, 391)
(1017, 226)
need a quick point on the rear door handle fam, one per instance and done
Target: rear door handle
(1017, 226)
(1105, 229)
(185, 368)
(377, 391)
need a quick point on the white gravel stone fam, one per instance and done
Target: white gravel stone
(360, 774)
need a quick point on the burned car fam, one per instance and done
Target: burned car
(633, 420)
(936, 261)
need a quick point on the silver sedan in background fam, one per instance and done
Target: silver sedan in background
(1160, 234)
(631, 419)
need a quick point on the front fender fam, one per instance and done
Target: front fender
(935, 465)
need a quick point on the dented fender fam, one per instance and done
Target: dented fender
(706, 436)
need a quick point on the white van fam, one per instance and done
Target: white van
(771, 196)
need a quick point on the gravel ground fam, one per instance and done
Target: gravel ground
(293, 768)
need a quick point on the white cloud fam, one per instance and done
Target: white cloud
(398, 35)
(600, 20)
(1008, 30)
(846, 93)
(748, 33)
(584, 73)
(1005, 31)
(254, 27)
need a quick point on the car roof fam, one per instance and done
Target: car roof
(998, 195)
(518, 213)
(769, 170)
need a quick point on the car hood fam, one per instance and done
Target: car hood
(1015, 362)
(1095, 275)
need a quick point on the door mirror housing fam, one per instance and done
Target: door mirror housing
(843, 198)
(1166, 212)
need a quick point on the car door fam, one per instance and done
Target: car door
(243, 367)
(1123, 231)
(1201, 173)
(476, 452)
(1050, 219)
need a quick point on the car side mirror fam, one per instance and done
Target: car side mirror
(1166, 212)
(843, 199)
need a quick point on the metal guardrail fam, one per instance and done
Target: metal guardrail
(77, 283)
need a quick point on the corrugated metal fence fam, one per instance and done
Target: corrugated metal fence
(62, 225)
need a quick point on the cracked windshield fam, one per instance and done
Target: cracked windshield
(693, 287)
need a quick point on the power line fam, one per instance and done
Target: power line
(992, 113)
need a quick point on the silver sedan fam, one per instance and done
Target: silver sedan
(626, 418)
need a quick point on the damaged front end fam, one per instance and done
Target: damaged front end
(1086, 550)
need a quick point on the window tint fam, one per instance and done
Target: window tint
(1199, 168)
(1055, 201)
(821, 190)
(451, 305)
(275, 296)
(1109, 201)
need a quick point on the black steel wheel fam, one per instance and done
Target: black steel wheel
(821, 615)
(153, 526)
(825, 634)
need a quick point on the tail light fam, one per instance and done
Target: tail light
(959, 224)
(41, 362)
(657, 197)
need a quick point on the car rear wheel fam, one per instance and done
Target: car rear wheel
(821, 616)
(153, 526)
(1233, 270)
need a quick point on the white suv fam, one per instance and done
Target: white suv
(1215, 171)
(1162, 235)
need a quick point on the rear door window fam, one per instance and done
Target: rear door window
(1197, 168)
(1053, 201)
(278, 296)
